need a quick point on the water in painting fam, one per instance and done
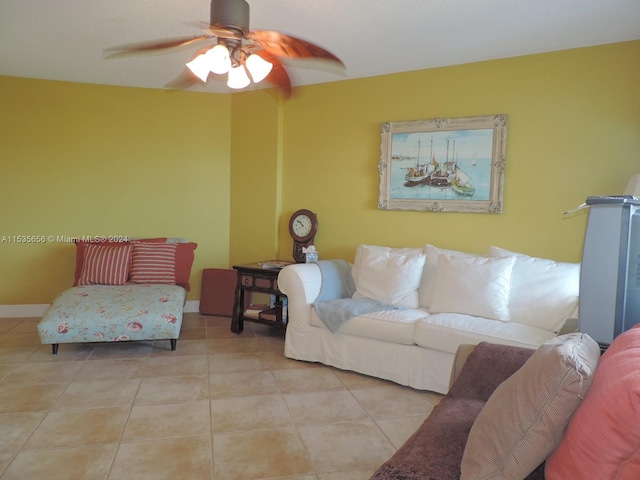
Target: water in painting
(443, 165)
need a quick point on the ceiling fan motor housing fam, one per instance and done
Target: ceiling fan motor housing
(230, 13)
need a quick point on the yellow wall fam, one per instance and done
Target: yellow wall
(227, 171)
(82, 160)
(573, 131)
(256, 172)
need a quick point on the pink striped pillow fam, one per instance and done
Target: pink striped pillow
(106, 265)
(153, 263)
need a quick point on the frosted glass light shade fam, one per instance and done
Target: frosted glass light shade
(633, 187)
(218, 58)
(214, 60)
(200, 67)
(238, 78)
(258, 67)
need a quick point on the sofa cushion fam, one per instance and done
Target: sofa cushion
(477, 286)
(603, 437)
(153, 263)
(445, 331)
(396, 326)
(523, 420)
(427, 286)
(393, 277)
(544, 293)
(106, 264)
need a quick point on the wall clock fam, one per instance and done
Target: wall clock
(303, 226)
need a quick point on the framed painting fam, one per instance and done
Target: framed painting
(443, 164)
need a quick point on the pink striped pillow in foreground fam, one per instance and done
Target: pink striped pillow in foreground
(106, 265)
(153, 263)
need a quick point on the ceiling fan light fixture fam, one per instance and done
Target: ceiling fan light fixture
(238, 78)
(219, 60)
(258, 67)
(199, 66)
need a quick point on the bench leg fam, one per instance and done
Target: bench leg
(54, 348)
(173, 343)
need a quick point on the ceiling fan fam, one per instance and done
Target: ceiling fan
(231, 48)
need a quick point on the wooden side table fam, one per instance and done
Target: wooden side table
(253, 277)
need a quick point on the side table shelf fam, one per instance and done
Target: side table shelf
(253, 277)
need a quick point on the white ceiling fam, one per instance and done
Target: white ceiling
(65, 39)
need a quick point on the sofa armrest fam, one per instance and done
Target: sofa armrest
(301, 284)
(486, 367)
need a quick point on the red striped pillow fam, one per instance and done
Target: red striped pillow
(153, 263)
(106, 265)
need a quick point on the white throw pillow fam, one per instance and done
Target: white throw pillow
(388, 275)
(474, 286)
(544, 293)
(428, 283)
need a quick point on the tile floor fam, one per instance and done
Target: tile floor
(222, 406)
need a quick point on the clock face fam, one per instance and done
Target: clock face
(302, 225)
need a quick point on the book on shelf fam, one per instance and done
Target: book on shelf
(254, 309)
(274, 264)
(273, 314)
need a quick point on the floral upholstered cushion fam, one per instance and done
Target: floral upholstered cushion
(104, 313)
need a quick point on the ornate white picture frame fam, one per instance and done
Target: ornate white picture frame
(443, 164)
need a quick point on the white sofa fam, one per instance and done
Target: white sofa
(445, 298)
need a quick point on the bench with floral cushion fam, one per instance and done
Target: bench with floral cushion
(123, 291)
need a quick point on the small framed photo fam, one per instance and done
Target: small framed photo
(443, 164)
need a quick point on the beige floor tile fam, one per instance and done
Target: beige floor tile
(16, 429)
(183, 347)
(235, 362)
(178, 365)
(358, 474)
(228, 407)
(152, 422)
(277, 361)
(220, 332)
(161, 390)
(394, 401)
(5, 369)
(345, 446)
(319, 408)
(69, 352)
(86, 463)
(354, 380)
(6, 324)
(112, 350)
(164, 459)
(193, 334)
(43, 373)
(20, 339)
(307, 380)
(242, 383)
(111, 369)
(238, 414)
(98, 394)
(272, 344)
(399, 429)
(273, 453)
(75, 428)
(234, 345)
(15, 354)
(29, 398)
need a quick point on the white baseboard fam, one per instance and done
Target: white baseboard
(37, 310)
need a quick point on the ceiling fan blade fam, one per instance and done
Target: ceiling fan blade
(282, 45)
(221, 31)
(183, 81)
(156, 46)
(278, 77)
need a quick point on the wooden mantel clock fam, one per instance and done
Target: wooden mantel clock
(303, 227)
